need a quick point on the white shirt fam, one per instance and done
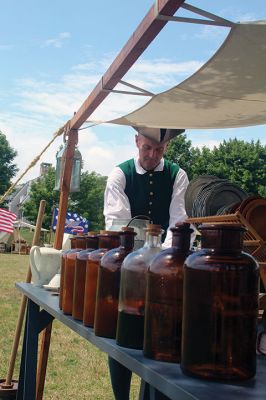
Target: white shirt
(116, 202)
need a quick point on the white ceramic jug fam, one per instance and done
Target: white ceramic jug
(45, 263)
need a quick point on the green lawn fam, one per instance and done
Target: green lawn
(76, 369)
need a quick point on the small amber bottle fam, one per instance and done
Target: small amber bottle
(80, 275)
(164, 298)
(107, 241)
(106, 309)
(62, 270)
(68, 285)
(220, 307)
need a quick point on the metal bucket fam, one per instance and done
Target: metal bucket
(139, 223)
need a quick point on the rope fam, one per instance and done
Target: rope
(59, 132)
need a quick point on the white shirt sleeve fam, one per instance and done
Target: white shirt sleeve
(116, 203)
(177, 210)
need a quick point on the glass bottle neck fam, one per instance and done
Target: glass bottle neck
(127, 240)
(222, 241)
(73, 243)
(108, 242)
(80, 242)
(92, 242)
(153, 240)
(181, 241)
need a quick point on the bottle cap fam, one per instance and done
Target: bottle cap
(110, 233)
(153, 229)
(127, 229)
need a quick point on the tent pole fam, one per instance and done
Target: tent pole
(64, 190)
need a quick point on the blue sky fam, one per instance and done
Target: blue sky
(53, 53)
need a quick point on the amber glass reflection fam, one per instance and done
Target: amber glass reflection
(220, 307)
(80, 276)
(67, 302)
(107, 240)
(130, 325)
(164, 299)
(106, 310)
(62, 270)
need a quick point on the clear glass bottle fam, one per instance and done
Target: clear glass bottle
(220, 307)
(107, 240)
(62, 270)
(67, 302)
(130, 325)
(164, 298)
(106, 310)
(80, 275)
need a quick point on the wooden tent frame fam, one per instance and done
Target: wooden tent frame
(157, 17)
(147, 30)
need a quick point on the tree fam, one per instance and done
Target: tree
(238, 161)
(179, 151)
(42, 189)
(88, 202)
(8, 168)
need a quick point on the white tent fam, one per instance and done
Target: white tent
(228, 91)
(22, 224)
(8, 238)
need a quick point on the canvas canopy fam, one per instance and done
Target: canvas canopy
(228, 91)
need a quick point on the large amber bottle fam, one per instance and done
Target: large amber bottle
(107, 240)
(164, 299)
(62, 270)
(130, 326)
(106, 310)
(68, 286)
(220, 307)
(80, 275)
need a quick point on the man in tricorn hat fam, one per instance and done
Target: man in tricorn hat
(146, 185)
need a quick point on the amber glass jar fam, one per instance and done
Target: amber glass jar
(67, 302)
(220, 307)
(164, 299)
(107, 240)
(106, 309)
(130, 325)
(80, 275)
(62, 270)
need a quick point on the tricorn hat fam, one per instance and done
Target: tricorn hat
(159, 135)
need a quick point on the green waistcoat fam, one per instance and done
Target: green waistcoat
(150, 194)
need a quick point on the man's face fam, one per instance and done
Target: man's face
(150, 152)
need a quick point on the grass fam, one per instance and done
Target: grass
(76, 369)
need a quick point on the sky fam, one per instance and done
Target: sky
(54, 52)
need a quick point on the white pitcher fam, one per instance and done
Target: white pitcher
(45, 263)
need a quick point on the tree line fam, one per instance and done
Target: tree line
(240, 162)
(243, 163)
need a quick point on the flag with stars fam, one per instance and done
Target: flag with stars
(74, 224)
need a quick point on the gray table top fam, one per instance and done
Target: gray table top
(166, 377)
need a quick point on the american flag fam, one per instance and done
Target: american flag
(74, 223)
(7, 219)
